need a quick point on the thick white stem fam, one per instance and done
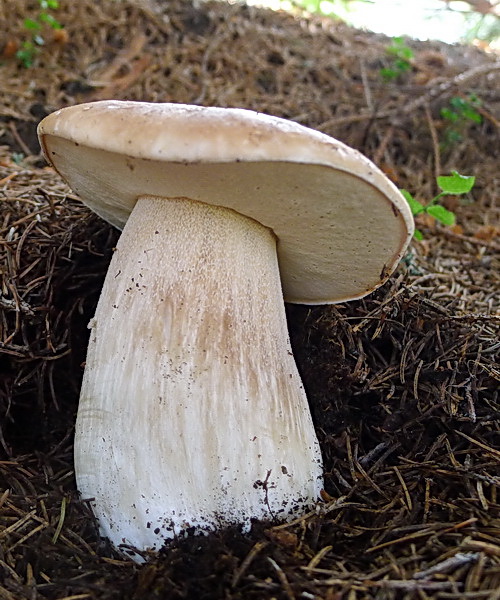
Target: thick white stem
(192, 412)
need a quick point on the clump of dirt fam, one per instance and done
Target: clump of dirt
(403, 385)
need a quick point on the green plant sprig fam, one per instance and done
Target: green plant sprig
(450, 185)
(30, 48)
(401, 56)
(459, 113)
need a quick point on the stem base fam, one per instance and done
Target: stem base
(192, 413)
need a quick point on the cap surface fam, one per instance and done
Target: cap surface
(341, 225)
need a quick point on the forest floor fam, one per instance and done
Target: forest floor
(403, 385)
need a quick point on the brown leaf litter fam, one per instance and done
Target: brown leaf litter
(403, 385)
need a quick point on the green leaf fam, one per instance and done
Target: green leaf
(441, 214)
(402, 65)
(18, 157)
(418, 235)
(388, 74)
(400, 49)
(416, 207)
(449, 115)
(405, 53)
(455, 183)
(25, 57)
(464, 108)
(26, 54)
(50, 20)
(458, 103)
(452, 136)
(471, 113)
(31, 24)
(474, 100)
(393, 50)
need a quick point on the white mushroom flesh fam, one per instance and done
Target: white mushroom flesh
(192, 413)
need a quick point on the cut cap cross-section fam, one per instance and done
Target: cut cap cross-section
(341, 225)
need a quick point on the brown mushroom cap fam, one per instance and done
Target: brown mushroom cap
(341, 225)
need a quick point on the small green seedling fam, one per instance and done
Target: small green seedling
(18, 157)
(30, 48)
(401, 56)
(460, 113)
(450, 185)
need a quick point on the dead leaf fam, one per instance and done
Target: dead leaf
(487, 233)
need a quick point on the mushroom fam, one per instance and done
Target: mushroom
(192, 413)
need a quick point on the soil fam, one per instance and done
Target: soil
(402, 385)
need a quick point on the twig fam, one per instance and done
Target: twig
(6, 179)
(457, 81)
(283, 579)
(377, 157)
(366, 86)
(317, 558)
(19, 139)
(419, 534)
(430, 95)
(450, 564)
(409, 503)
(467, 238)
(490, 549)
(259, 546)
(61, 521)
(492, 451)
(412, 585)
(8, 304)
(435, 141)
(27, 536)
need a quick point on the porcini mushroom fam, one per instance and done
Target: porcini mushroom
(192, 413)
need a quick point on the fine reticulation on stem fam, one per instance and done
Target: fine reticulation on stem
(192, 412)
